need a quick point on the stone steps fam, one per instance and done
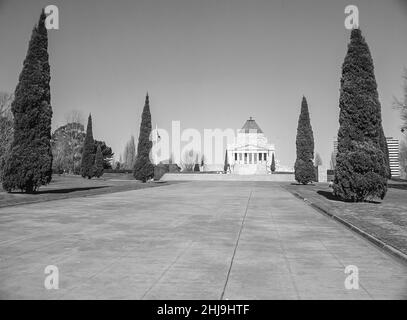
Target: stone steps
(283, 177)
(258, 168)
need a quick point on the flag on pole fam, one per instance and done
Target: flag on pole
(158, 138)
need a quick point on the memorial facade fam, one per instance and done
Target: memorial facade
(251, 153)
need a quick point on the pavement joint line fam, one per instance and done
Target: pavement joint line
(166, 270)
(343, 265)
(79, 195)
(377, 242)
(96, 273)
(19, 239)
(236, 245)
(286, 260)
(93, 275)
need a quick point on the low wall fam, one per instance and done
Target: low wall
(283, 177)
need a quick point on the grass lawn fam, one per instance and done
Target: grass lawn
(386, 220)
(70, 186)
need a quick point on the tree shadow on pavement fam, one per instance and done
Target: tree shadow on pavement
(68, 190)
(59, 191)
(330, 196)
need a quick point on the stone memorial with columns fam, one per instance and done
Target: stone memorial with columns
(251, 153)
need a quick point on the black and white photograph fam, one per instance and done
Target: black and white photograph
(220, 152)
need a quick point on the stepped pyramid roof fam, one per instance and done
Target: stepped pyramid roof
(251, 127)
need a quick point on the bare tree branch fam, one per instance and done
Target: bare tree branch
(5, 104)
(74, 116)
(402, 104)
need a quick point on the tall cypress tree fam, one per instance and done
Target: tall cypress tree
(304, 168)
(143, 168)
(273, 163)
(98, 162)
(29, 163)
(226, 164)
(361, 165)
(88, 152)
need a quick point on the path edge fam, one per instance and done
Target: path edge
(377, 242)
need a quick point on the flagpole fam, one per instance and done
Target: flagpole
(155, 141)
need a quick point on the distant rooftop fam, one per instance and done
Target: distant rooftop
(251, 127)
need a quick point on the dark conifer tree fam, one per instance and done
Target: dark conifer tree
(107, 153)
(273, 164)
(304, 167)
(226, 164)
(196, 166)
(143, 168)
(361, 165)
(88, 152)
(29, 163)
(98, 162)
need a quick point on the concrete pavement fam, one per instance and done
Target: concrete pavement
(193, 240)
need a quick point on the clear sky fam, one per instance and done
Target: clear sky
(207, 63)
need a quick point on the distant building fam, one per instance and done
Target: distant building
(393, 146)
(251, 154)
(333, 159)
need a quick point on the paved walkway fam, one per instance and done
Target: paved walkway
(195, 240)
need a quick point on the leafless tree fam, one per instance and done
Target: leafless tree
(401, 104)
(67, 142)
(317, 160)
(129, 154)
(74, 116)
(6, 126)
(5, 104)
(403, 159)
(333, 161)
(188, 161)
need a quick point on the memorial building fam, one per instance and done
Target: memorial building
(251, 153)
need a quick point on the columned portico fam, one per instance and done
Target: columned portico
(250, 157)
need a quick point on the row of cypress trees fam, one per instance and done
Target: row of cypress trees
(362, 162)
(362, 165)
(28, 164)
